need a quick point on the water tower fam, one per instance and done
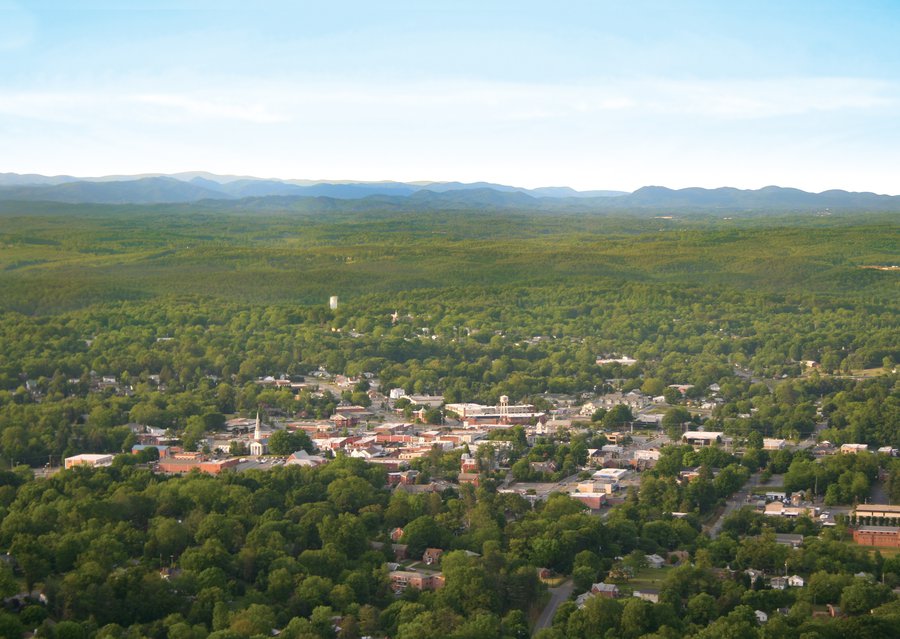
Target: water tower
(504, 409)
(333, 302)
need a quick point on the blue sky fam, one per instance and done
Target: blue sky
(595, 94)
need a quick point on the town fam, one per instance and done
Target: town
(426, 445)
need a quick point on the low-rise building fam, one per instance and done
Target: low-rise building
(89, 459)
(432, 556)
(701, 438)
(882, 536)
(647, 594)
(610, 591)
(778, 509)
(403, 579)
(853, 449)
(785, 539)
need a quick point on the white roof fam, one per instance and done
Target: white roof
(610, 473)
(702, 434)
(90, 457)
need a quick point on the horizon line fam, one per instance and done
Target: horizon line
(232, 177)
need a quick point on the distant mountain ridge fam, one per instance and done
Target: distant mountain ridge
(240, 192)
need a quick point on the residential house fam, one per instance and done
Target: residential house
(582, 599)
(544, 466)
(468, 478)
(796, 581)
(404, 477)
(655, 561)
(853, 449)
(432, 556)
(610, 591)
(468, 464)
(398, 550)
(754, 575)
(647, 594)
(794, 541)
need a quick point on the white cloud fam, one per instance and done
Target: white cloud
(85, 107)
(476, 103)
(224, 109)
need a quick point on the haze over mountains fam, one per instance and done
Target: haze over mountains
(241, 191)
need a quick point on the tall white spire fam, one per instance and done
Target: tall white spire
(257, 435)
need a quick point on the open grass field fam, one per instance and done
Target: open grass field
(649, 577)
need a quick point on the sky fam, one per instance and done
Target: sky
(589, 94)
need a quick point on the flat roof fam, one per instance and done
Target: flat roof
(887, 508)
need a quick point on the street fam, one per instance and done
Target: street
(557, 595)
(736, 501)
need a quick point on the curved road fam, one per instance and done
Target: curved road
(557, 595)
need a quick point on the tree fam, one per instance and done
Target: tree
(421, 533)
(863, 595)
(283, 442)
(673, 421)
(256, 619)
(618, 416)
(653, 386)
(636, 618)
(671, 395)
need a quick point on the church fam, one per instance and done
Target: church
(259, 445)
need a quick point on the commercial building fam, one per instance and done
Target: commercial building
(88, 459)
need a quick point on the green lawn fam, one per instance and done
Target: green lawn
(648, 578)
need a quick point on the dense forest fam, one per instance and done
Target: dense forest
(185, 307)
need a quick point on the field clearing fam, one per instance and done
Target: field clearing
(649, 577)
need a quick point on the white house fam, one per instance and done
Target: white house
(796, 581)
(647, 594)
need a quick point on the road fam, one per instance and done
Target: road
(737, 500)
(557, 595)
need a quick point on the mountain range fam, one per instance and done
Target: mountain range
(242, 191)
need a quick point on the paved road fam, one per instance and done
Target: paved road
(557, 595)
(734, 502)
